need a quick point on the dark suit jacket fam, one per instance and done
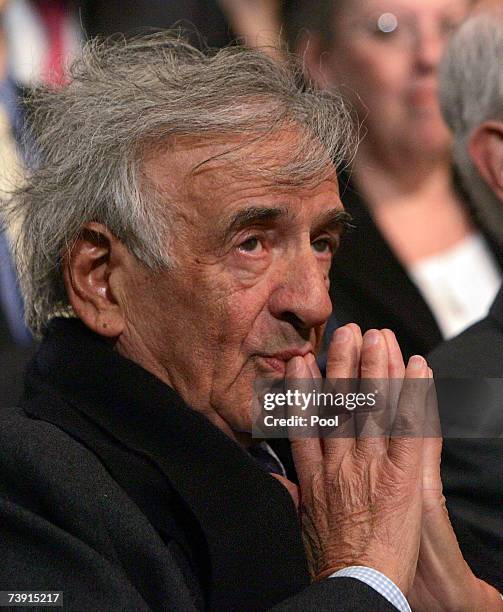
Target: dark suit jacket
(115, 492)
(472, 468)
(369, 286)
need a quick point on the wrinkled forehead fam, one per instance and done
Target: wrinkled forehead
(281, 160)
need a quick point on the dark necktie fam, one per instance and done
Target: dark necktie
(265, 459)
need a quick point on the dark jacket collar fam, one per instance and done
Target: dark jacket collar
(366, 265)
(496, 311)
(249, 523)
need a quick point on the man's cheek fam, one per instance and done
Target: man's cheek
(232, 394)
(244, 305)
(239, 327)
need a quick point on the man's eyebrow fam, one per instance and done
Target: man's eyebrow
(250, 216)
(335, 219)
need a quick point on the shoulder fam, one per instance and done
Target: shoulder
(65, 522)
(28, 441)
(57, 532)
(49, 473)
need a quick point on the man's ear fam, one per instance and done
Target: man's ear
(486, 150)
(314, 57)
(92, 270)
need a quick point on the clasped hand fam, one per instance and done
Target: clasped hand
(376, 500)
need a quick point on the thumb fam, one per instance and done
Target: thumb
(432, 449)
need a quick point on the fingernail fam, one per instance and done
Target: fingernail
(416, 362)
(298, 366)
(371, 338)
(342, 335)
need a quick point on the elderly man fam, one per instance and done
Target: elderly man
(472, 102)
(175, 245)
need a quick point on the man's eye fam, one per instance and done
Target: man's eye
(322, 246)
(252, 245)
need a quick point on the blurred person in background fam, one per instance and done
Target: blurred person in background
(471, 95)
(419, 261)
(43, 36)
(15, 340)
(202, 20)
(257, 23)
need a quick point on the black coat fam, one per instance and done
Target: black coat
(369, 286)
(472, 467)
(115, 492)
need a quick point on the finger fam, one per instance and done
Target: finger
(374, 358)
(343, 354)
(432, 447)
(358, 338)
(370, 433)
(312, 365)
(299, 382)
(396, 372)
(396, 366)
(406, 444)
(306, 451)
(315, 388)
(342, 370)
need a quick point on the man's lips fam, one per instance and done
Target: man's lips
(278, 361)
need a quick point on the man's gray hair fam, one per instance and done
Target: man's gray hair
(471, 92)
(125, 96)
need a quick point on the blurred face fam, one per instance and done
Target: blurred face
(486, 5)
(249, 288)
(386, 53)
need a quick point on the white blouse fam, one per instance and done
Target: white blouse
(459, 285)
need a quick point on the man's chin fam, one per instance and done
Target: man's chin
(236, 426)
(240, 429)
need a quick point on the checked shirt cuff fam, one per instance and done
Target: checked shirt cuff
(379, 582)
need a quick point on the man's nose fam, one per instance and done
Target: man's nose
(301, 296)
